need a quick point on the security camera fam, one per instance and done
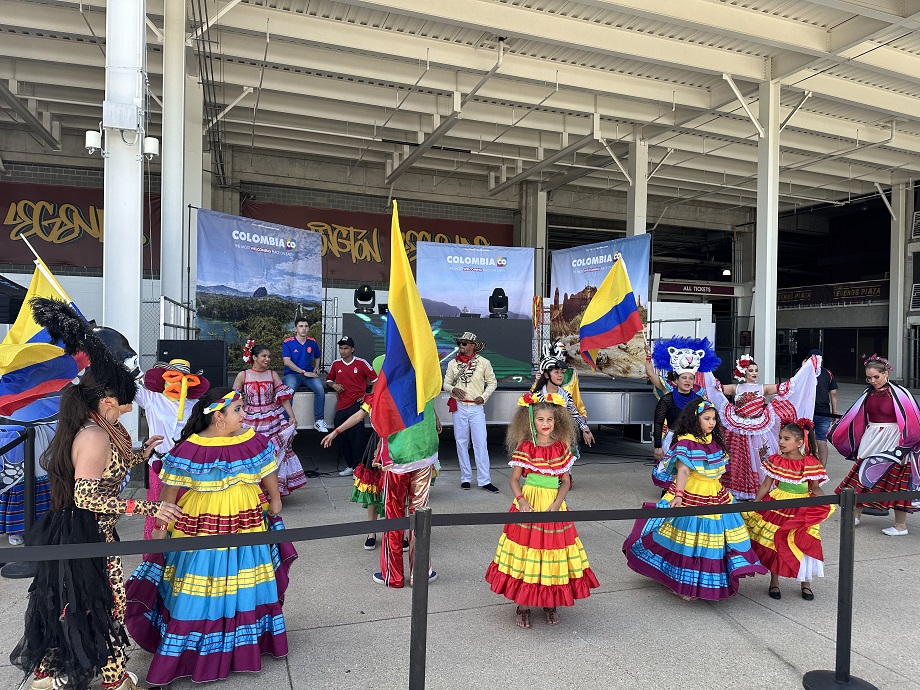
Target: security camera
(93, 141)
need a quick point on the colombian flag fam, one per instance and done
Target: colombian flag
(31, 367)
(612, 316)
(411, 373)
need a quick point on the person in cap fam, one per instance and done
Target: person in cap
(349, 376)
(302, 362)
(74, 622)
(166, 393)
(470, 380)
(825, 404)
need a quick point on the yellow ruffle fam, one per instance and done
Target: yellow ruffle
(213, 586)
(544, 566)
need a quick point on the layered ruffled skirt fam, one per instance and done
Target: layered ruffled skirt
(541, 564)
(788, 540)
(695, 556)
(878, 439)
(208, 613)
(271, 423)
(368, 490)
(12, 505)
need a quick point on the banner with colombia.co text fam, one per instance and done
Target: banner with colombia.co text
(456, 279)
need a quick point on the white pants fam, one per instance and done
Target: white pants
(470, 420)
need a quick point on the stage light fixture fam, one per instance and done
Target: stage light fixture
(498, 304)
(365, 300)
(727, 272)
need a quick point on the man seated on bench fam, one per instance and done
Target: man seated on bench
(299, 353)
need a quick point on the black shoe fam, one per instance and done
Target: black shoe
(464, 485)
(775, 593)
(490, 487)
(405, 545)
(370, 543)
(876, 512)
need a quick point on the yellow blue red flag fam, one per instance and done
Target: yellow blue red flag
(411, 372)
(612, 316)
(31, 366)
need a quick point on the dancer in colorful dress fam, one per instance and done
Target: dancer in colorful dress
(541, 564)
(204, 614)
(683, 359)
(788, 541)
(167, 393)
(752, 423)
(699, 556)
(880, 433)
(266, 400)
(74, 627)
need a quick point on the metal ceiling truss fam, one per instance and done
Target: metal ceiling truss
(621, 70)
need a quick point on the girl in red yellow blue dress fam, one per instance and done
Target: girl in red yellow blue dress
(788, 541)
(695, 556)
(205, 614)
(540, 564)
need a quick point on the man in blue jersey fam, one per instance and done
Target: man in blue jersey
(300, 353)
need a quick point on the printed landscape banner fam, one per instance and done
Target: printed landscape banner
(575, 276)
(456, 279)
(253, 279)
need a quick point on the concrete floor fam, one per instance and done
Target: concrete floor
(347, 632)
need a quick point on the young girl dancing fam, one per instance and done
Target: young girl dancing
(698, 556)
(787, 541)
(210, 612)
(540, 564)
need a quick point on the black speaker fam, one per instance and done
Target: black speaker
(209, 355)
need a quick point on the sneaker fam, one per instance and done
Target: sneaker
(894, 531)
(48, 683)
(490, 487)
(371, 542)
(129, 683)
(347, 472)
(405, 545)
(378, 578)
(16, 539)
(432, 576)
(464, 485)
(321, 427)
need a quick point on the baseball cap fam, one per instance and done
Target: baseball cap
(815, 351)
(346, 340)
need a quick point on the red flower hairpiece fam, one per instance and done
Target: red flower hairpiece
(247, 350)
(805, 424)
(741, 365)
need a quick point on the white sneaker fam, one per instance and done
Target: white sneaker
(856, 521)
(347, 472)
(894, 531)
(320, 426)
(16, 539)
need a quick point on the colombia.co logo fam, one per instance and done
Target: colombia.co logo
(290, 244)
(501, 262)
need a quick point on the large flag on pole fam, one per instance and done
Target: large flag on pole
(31, 366)
(411, 373)
(612, 316)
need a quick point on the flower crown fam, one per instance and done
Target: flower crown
(247, 350)
(530, 399)
(874, 358)
(741, 365)
(703, 406)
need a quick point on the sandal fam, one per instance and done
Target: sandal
(807, 594)
(522, 618)
(775, 593)
(552, 618)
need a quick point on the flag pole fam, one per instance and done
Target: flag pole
(40, 265)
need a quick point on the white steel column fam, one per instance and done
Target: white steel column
(195, 163)
(123, 119)
(637, 195)
(765, 284)
(172, 214)
(896, 283)
(533, 231)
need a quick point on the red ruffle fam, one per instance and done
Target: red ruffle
(533, 594)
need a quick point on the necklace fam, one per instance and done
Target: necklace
(118, 435)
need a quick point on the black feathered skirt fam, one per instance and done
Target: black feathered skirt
(71, 625)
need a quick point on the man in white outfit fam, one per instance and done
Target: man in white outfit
(471, 381)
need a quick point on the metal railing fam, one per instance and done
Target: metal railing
(424, 520)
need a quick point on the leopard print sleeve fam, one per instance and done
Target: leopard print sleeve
(87, 495)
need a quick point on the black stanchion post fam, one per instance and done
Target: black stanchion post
(419, 632)
(16, 571)
(840, 677)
